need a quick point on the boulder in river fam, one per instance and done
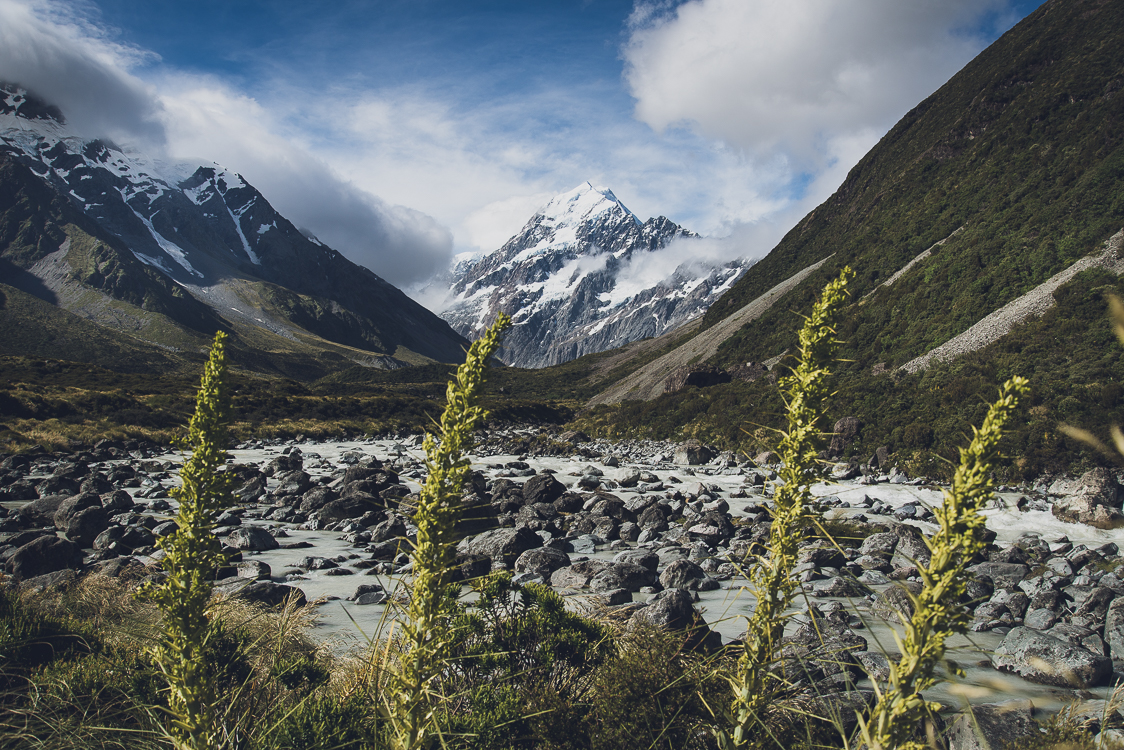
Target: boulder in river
(253, 538)
(693, 453)
(578, 575)
(1052, 657)
(1095, 501)
(671, 609)
(502, 545)
(541, 561)
(623, 575)
(684, 574)
(261, 592)
(542, 488)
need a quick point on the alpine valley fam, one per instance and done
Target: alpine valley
(985, 231)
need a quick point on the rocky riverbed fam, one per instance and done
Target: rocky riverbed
(645, 530)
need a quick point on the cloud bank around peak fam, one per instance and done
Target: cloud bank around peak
(800, 78)
(206, 121)
(59, 52)
(59, 55)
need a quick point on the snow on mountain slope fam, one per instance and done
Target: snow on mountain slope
(570, 281)
(213, 234)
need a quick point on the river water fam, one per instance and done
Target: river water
(344, 625)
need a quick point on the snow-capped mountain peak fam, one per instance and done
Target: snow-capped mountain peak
(583, 203)
(565, 281)
(202, 232)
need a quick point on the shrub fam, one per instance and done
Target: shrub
(522, 634)
(649, 696)
(322, 723)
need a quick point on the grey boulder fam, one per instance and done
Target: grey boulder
(504, 546)
(46, 554)
(1042, 657)
(627, 576)
(541, 561)
(992, 725)
(252, 538)
(671, 609)
(684, 574)
(1096, 501)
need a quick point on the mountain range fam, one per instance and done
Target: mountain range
(985, 229)
(94, 234)
(573, 281)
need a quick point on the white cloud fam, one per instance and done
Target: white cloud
(56, 53)
(792, 76)
(793, 92)
(484, 170)
(494, 224)
(205, 121)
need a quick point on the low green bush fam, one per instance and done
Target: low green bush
(325, 722)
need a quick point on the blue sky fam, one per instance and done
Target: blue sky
(405, 132)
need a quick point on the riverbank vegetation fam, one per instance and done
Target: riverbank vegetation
(88, 664)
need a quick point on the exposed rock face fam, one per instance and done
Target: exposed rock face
(700, 376)
(566, 280)
(748, 372)
(1096, 501)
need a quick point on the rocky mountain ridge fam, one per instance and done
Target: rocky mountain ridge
(570, 281)
(110, 224)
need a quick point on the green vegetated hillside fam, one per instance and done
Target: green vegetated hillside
(59, 404)
(1023, 152)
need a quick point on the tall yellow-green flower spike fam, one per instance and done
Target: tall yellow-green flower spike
(770, 576)
(408, 708)
(938, 611)
(192, 556)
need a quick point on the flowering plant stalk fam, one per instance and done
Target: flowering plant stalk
(938, 612)
(192, 556)
(771, 577)
(426, 639)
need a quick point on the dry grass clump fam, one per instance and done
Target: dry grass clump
(76, 671)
